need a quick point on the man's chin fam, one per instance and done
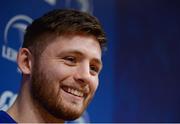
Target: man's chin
(68, 114)
(71, 116)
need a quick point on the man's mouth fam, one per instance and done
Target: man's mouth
(73, 91)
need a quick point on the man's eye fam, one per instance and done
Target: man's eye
(70, 59)
(94, 69)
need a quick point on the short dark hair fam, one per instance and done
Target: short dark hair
(61, 22)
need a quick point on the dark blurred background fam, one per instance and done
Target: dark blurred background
(148, 61)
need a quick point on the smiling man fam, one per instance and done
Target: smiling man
(60, 62)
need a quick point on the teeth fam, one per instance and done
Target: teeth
(75, 92)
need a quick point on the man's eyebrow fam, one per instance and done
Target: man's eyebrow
(79, 53)
(76, 52)
(96, 60)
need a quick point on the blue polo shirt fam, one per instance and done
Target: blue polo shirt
(6, 118)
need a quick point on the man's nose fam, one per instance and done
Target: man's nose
(83, 75)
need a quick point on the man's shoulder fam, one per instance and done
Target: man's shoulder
(5, 117)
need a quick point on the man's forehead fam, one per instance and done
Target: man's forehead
(79, 41)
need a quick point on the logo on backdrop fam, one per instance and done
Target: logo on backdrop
(82, 5)
(13, 36)
(7, 98)
(51, 2)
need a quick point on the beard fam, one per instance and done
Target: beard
(45, 91)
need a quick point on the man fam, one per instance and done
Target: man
(60, 61)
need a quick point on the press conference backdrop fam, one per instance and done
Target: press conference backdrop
(140, 77)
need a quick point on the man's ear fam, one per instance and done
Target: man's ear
(24, 61)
